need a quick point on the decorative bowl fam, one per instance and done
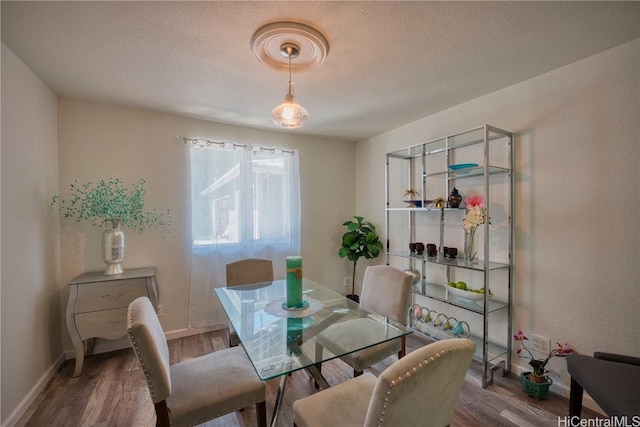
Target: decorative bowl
(462, 166)
(464, 294)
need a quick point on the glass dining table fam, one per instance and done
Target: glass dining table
(279, 341)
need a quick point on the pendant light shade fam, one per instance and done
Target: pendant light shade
(290, 114)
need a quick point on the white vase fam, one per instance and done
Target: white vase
(113, 247)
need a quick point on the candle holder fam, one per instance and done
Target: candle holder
(294, 285)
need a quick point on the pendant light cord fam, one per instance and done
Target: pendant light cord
(289, 50)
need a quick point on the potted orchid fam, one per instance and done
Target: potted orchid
(476, 215)
(536, 383)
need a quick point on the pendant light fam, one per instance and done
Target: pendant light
(290, 114)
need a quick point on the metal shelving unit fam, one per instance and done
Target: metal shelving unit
(425, 167)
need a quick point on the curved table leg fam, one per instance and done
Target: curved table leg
(78, 344)
(79, 347)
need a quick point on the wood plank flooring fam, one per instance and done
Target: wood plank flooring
(111, 392)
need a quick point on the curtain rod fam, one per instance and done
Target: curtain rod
(204, 142)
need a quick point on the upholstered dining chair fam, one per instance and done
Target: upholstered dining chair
(246, 272)
(385, 290)
(421, 389)
(196, 390)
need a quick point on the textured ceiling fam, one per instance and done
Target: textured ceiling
(389, 63)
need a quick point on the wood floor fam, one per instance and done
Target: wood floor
(111, 392)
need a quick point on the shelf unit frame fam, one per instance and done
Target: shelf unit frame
(492, 356)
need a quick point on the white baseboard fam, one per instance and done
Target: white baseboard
(35, 392)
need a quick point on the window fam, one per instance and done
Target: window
(245, 203)
(243, 196)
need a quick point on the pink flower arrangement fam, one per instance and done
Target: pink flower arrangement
(474, 202)
(476, 213)
(540, 371)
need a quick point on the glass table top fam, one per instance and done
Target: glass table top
(278, 344)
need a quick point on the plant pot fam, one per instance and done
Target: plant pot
(534, 389)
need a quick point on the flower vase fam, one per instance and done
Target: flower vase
(470, 251)
(113, 247)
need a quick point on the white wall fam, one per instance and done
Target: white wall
(577, 196)
(98, 141)
(31, 328)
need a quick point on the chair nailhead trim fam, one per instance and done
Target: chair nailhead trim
(136, 350)
(408, 374)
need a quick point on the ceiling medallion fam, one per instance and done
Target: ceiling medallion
(312, 46)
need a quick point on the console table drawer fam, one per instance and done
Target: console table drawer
(104, 296)
(109, 324)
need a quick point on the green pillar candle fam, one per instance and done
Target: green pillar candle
(294, 281)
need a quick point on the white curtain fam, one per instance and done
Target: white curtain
(245, 203)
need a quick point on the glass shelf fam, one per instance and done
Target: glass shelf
(496, 352)
(468, 172)
(439, 293)
(453, 262)
(434, 146)
(428, 209)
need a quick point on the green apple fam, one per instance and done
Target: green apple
(461, 285)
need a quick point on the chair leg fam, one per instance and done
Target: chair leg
(234, 340)
(261, 413)
(319, 350)
(162, 414)
(575, 399)
(403, 348)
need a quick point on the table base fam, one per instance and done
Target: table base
(314, 373)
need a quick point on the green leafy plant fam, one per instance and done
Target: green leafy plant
(110, 200)
(359, 241)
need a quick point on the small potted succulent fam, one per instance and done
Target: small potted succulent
(536, 383)
(411, 194)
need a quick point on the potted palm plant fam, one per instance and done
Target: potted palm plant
(359, 241)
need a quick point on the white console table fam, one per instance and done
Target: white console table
(98, 304)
